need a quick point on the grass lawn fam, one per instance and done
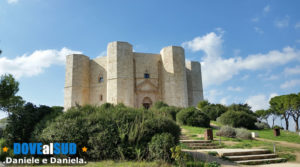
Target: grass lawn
(281, 150)
(284, 135)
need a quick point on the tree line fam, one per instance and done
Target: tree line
(283, 107)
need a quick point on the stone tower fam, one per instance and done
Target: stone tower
(120, 75)
(135, 79)
(174, 83)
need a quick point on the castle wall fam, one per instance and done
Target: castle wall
(174, 82)
(146, 63)
(98, 89)
(171, 80)
(194, 81)
(77, 80)
(120, 75)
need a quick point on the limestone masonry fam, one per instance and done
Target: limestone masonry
(135, 79)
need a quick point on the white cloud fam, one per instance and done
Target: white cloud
(283, 22)
(217, 70)
(12, 1)
(35, 63)
(297, 25)
(260, 101)
(212, 95)
(292, 71)
(290, 84)
(236, 89)
(258, 30)
(210, 43)
(267, 9)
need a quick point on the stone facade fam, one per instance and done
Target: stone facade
(135, 79)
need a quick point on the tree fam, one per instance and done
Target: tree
(202, 104)
(278, 106)
(23, 120)
(8, 90)
(241, 107)
(294, 106)
(274, 115)
(263, 114)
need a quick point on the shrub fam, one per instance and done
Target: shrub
(213, 111)
(195, 164)
(226, 131)
(202, 104)
(241, 107)
(44, 122)
(159, 104)
(167, 111)
(160, 125)
(262, 125)
(278, 127)
(181, 158)
(160, 147)
(243, 133)
(108, 131)
(212, 164)
(193, 117)
(238, 119)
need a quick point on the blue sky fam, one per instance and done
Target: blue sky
(249, 50)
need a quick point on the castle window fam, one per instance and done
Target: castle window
(101, 97)
(146, 75)
(101, 79)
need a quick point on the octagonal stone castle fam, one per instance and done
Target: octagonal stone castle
(134, 79)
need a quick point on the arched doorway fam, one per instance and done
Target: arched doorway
(147, 102)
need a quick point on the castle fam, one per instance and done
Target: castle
(134, 79)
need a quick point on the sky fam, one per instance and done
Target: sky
(249, 50)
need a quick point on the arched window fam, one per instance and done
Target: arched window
(100, 97)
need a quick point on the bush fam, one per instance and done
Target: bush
(159, 104)
(44, 122)
(213, 111)
(195, 164)
(212, 164)
(278, 127)
(262, 125)
(167, 111)
(202, 104)
(108, 131)
(238, 119)
(226, 131)
(160, 147)
(243, 133)
(193, 117)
